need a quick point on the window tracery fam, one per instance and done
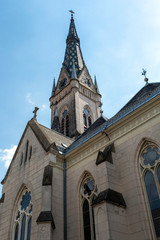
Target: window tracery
(65, 123)
(87, 193)
(86, 118)
(23, 217)
(150, 172)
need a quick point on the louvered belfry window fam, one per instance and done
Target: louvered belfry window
(86, 118)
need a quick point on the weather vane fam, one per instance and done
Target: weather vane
(144, 74)
(71, 13)
(35, 112)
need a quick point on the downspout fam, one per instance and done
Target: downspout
(64, 201)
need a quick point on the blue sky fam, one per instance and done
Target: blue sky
(118, 39)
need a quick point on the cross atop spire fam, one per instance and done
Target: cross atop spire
(144, 74)
(35, 112)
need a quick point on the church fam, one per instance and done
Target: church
(87, 177)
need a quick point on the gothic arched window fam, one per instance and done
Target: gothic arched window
(88, 193)
(23, 217)
(150, 172)
(65, 123)
(86, 118)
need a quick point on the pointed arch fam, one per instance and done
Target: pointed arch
(87, 117)
(149, 169)
(64, 120)
(22, 215)
(87, 193)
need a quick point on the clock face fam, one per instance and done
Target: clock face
(62, 83)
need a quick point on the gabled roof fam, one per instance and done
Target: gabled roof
(143, 95)
(148, 92)
(90, 132)
(49, 139)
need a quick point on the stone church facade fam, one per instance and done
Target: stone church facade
(88, 177)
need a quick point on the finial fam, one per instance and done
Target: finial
(101, 111)
(144, 74)
(35, 112)
(53, 88)
(95, 84)
(71, 13)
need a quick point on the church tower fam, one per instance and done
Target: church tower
(75, 100)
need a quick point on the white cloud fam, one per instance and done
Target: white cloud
(7, 154)
(44, 106)
(28, 99)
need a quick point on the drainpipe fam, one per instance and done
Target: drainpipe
(65, 201)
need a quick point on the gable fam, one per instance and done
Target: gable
(44, 139)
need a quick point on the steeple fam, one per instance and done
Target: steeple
(73, 51)
(75, 99)
(72, 34)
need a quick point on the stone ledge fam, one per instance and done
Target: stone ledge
(46, 216)
(110, 196)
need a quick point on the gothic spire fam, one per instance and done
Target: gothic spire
(73, 50)
(72, 34)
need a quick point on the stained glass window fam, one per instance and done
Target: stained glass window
(88, 192)
(86, 221)
(29, 229)
(150, 169)
(23, 217)
(23, 227)
(16, 231)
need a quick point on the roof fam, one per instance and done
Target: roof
(73, 54)
(148, 92)
(90, 132)
(48, 138)
(53, 140)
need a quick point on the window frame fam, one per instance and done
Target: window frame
(89, 198)
(21, 212)
(87, 117)
(143, 168)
